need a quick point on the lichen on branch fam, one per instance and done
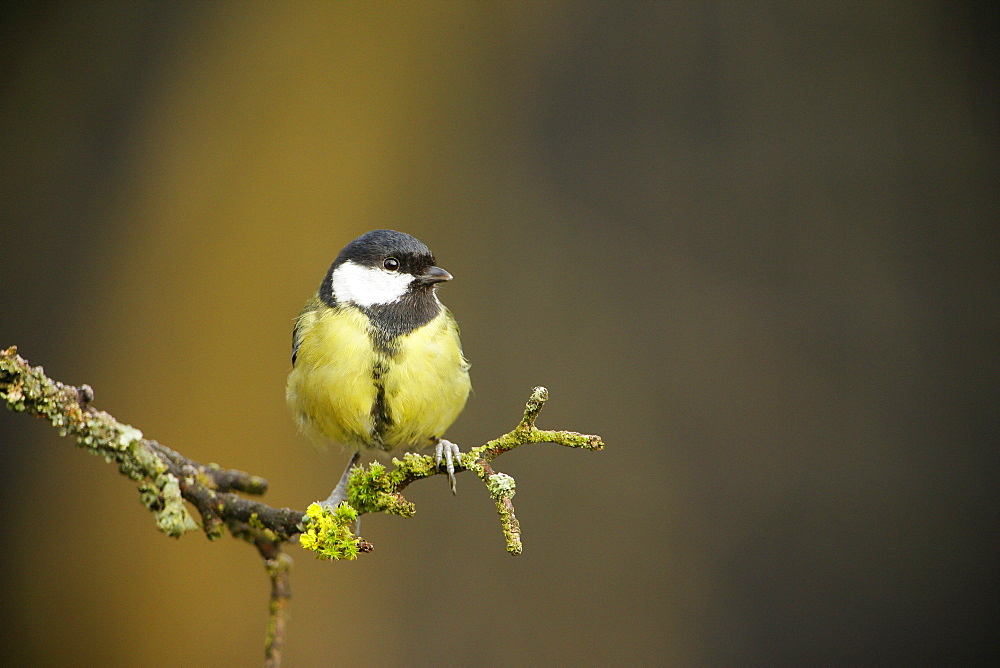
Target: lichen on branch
(167, 481)
(377, 489)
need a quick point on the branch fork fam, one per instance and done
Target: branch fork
(378, 489)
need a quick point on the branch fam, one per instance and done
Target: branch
(379, 490)
(166, 480)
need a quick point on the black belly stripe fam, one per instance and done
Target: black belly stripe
(381, 419)
(389, 322)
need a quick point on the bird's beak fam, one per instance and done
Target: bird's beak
(435, 275)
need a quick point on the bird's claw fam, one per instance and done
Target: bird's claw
(450, 453)
(339, 493)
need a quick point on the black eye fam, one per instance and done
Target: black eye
(391, 263)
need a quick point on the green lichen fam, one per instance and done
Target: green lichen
(27, 388)
(415, 466)
(511, 528)
(500, 485)
(263, 531)
(127, 436)
(173, 518)
(149, 496)
(373, 490)
(141, 463)
(328, 532)
(473, 461)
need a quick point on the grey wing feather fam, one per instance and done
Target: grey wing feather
(297, 332)
(295, 342)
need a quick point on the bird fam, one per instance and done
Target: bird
(377, 362)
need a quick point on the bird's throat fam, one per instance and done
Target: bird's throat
(390, 321)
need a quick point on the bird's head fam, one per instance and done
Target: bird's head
(382, 267)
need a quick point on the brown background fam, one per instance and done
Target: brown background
(752, 245)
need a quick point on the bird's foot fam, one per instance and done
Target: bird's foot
(450, 453)
(339, 493)
(337, 497)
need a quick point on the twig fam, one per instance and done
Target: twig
(278, 565)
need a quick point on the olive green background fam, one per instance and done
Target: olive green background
(752, 245)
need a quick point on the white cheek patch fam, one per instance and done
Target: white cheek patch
(367, 286)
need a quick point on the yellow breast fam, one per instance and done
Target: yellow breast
(345, 390)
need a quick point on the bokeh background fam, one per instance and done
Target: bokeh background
(752, 245)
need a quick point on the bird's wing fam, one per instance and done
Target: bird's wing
(301, 324)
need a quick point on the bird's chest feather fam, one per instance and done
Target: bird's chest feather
(346, 389)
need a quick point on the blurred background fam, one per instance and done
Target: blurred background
(752, 245)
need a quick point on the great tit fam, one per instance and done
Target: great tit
(377, 363)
